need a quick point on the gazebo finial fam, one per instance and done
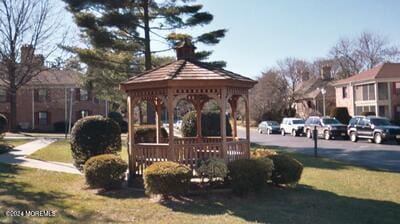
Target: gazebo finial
(185, 51)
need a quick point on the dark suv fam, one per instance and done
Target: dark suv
(327, 127)
(377, 129)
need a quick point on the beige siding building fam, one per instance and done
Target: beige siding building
(376, 90)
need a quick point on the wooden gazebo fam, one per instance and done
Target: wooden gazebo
(197, 83)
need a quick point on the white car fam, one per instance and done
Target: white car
(178, 124)
(292, 125)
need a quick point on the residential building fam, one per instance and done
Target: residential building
(46, 99)
(375, 90)
(310, 98)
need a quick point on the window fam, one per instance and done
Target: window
(43, 118)
(41, 95)
(83, 95)
(383, 111)
(3, 95)
(396, 88)
(344, 92)
(383, 91)
(365, 92)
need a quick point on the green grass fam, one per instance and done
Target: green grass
(329, 192)
(60, 151)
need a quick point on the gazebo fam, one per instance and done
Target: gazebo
(196, 82)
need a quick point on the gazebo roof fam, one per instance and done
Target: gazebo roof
(188, 70)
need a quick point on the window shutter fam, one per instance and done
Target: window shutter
(36, 95)
(36, 118)
(48, 118)
(48, 91)
(77, 94)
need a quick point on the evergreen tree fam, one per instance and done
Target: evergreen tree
(120, 32)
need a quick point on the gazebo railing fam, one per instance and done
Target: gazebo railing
(188, 151)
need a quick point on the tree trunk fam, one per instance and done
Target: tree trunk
(13, 110)
(151, 118)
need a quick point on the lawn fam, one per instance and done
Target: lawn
(329, 192)
(60, 151)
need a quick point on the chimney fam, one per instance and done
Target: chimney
(326, 72)
(185, 51)
(27, 52)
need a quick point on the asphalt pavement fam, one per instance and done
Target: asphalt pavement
(377, 156)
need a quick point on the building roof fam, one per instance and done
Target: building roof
(309, 89)
(56, 77)
(381, 71)
(188, 70)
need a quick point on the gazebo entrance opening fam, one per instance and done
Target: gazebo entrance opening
(197, 83)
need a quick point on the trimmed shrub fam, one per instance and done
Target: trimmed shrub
(210, 124)
(368, 113)
(105, 171)
(148, 135)
(260, 152)
(211, 168)
(268, 166)
(341, 114)
(287, 170)
(3, 125)
(60, 126)
(117, 117)
(247, 175)
(92, 136)
(166, 178)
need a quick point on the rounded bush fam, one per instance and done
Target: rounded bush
(287, 170)
(166, 178)
(105, 171)
(246, 175)
(261, 152)
(148, 135)
(210, 124)
(3, 124)
(211, 168)
(92, 136)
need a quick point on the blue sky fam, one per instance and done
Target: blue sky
(264, 31)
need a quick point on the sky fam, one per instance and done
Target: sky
(261, 32)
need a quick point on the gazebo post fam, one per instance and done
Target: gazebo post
(223, 124)
(157, 105)
(170, 108)
(131, 140)
(198, 118)
(248, 123)
(233, 102)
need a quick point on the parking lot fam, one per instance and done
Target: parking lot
(378, 156)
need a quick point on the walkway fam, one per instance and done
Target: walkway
(18, 157)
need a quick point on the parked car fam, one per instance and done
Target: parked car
(377, 129)
(292, 125)
(327, 127)
(178, 124)
(268, 127)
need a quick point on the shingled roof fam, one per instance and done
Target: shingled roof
(186, 70)
(382, 71)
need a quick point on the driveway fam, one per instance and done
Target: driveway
(385, 156)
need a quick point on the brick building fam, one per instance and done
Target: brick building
(47, 98)
(376, 90)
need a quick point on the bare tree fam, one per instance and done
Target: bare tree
(355, 55)
(268, 97)
(294, 71)
(26, 26)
